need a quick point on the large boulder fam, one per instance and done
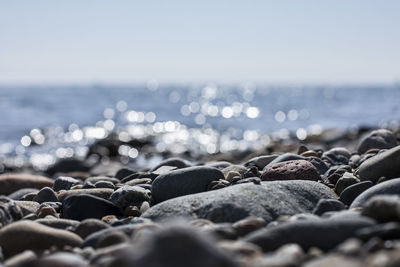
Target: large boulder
(268, 201)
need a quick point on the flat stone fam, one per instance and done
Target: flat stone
(385, 164)
(268, 201)
(317, 162)
(80, 207)
(24, 235)
(183, 182)
(324, 234)
(98, 192)
(391, 187)
(11, 182)
(291, 170)
(381, 139)
(260, 162)
(58, 223)
(90, 226)
(19, 194)
(335, 261)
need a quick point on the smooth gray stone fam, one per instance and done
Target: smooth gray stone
(391, 187)
(184, 181)
(58, 223)
(351, 192)
(268, 200)
(381, 139)
(19, 194)
(174, 162)
(324, 234)
(386, 164)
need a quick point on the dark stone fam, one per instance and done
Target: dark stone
(219, 164)
(80, 207)
(183, 182)
(19, 194)
(58, 223)
(64, 183)
(45, 194)
(112, 238)
(345, 181)
(68, 165)
(124, 172)
(268, 201)
(9, 211)
(385, 164)
(90, 226)
(291, 170)
(176, 246)
(324, 234)
(350, 193)
(381, 139)
(325, 205)
(104, 184)
(174, 162)
(129, 196)
(391, 187)
(383, 208)
(385, 231)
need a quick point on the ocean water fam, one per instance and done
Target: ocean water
(62, 120)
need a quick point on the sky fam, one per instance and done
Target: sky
(83, 41)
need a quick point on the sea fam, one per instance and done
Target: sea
(40, 124)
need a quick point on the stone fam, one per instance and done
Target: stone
(112, 238)
(287, 255)
(124, 172)
(129, 196)
(58, 223)
(248, 225)
(381, 139)
(385, 164)
(90, 226)
(324, 234)
(391, 187)
(291, 170)
(61, 259)
(45, 194)
(98, 192)
(9, 211)
(174, 162)
(19, 194)
(27, 207)
(140, 181)
(64, 183)
(104, 184)
(68, 165)
(218, 164)
(317, 162)
(176, 246)
(22, 259)
(24, 235)
(11, 182)
(383, 208)
(382, 231)
(325, 205)
(351, 192)
(80, 207)
(260, 162)
(345, 181)
(234, 168)
(183, 182)
(335, 261)
(268, 200)
(96, 179)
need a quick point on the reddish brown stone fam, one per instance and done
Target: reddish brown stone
(11, 182)
(291, 170)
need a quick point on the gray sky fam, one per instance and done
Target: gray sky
(278, 41)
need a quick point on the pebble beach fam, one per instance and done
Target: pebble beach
(329, 200)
